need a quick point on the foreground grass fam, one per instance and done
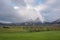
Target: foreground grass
(50, 35)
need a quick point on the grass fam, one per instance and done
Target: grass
(47, 35)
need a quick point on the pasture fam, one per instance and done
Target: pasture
(47, 35)
(46, 32)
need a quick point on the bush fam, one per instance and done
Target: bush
(5, 27)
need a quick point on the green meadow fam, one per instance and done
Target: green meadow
(46, 35)
(46, 32)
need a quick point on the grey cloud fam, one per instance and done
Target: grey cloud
(7, 13)
(52, 12)
(19, 2)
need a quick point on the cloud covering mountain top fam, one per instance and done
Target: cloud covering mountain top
(29, 10)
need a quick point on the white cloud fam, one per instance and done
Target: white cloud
(16, 7)
(28, 14)
(5, 21)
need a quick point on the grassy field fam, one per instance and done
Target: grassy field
(47, 35)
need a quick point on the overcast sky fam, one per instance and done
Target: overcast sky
(29, 10)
